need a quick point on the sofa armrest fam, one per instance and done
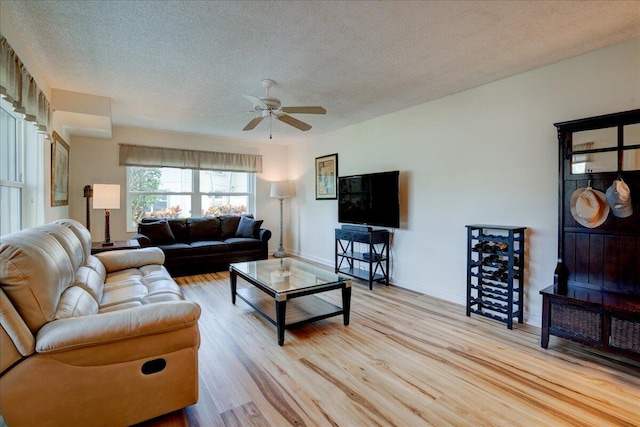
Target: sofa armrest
(109, 328)
(265, 235)
(143, 240)
(130, 258)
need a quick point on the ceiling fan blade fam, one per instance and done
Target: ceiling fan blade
(294, 122)
(253, 123)
(305, 110)
(256, 101)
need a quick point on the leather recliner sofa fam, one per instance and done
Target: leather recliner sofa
(91, 340)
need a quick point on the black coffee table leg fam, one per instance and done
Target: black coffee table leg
(281, 309)
(234, 282)
(346, 303)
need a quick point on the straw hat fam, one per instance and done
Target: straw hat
(589, 207)
(619, 199)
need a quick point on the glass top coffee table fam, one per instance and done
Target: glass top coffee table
(283, 291)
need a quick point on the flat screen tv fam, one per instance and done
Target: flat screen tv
(370, 199)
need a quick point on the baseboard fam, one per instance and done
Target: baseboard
(529, 318)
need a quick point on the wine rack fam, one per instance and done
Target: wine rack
(495, 272)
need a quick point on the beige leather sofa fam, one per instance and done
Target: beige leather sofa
(91, 340)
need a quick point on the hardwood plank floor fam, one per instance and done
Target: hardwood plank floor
(406, 359)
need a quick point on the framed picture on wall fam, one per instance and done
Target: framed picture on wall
(59, 171)
(327, 177)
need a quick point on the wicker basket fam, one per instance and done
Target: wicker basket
(625, 334)
(576, 321)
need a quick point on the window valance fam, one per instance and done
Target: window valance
(140, 155)
(21, 90)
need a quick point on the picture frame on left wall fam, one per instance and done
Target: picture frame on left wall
(327, 177)
(59, 171)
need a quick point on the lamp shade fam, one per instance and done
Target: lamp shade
(106, 196)
(280, 189)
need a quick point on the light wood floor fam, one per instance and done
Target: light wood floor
(405, 360)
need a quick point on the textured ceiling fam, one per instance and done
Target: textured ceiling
(183, 65)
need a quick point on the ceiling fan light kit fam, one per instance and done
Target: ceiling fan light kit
(269, 106)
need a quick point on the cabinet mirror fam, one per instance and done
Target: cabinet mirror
(596, 139)
(631, 135)
(631, 160)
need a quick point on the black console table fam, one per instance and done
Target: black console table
(371, 252)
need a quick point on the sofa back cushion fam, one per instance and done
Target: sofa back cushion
(35, 269)
(91, 281)
(205, 228)
(69, 242)
(81, 232)
(158, 232)
(179, 229)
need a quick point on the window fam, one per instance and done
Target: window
(21, 172)
(11, 171)
(183, 193)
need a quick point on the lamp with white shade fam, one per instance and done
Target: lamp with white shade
(280, 190)
(107, 197)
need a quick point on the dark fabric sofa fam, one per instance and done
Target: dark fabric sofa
(200, 245)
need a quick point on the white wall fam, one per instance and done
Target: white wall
(484, 156)
(94, 160)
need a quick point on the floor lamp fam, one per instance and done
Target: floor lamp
(280, 190)
(107, 197)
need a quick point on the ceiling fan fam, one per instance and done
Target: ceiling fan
(268, 106)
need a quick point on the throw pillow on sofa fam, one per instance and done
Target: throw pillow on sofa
(158, 232)
(249, 227)
(229, 225)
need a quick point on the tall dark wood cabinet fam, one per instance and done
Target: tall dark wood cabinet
(495, 272)
(595, 298)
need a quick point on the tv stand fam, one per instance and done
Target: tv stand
(369, 260)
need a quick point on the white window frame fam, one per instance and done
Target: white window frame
(195, 194)
(29, 164)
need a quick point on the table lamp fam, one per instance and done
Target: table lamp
(107, 197)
